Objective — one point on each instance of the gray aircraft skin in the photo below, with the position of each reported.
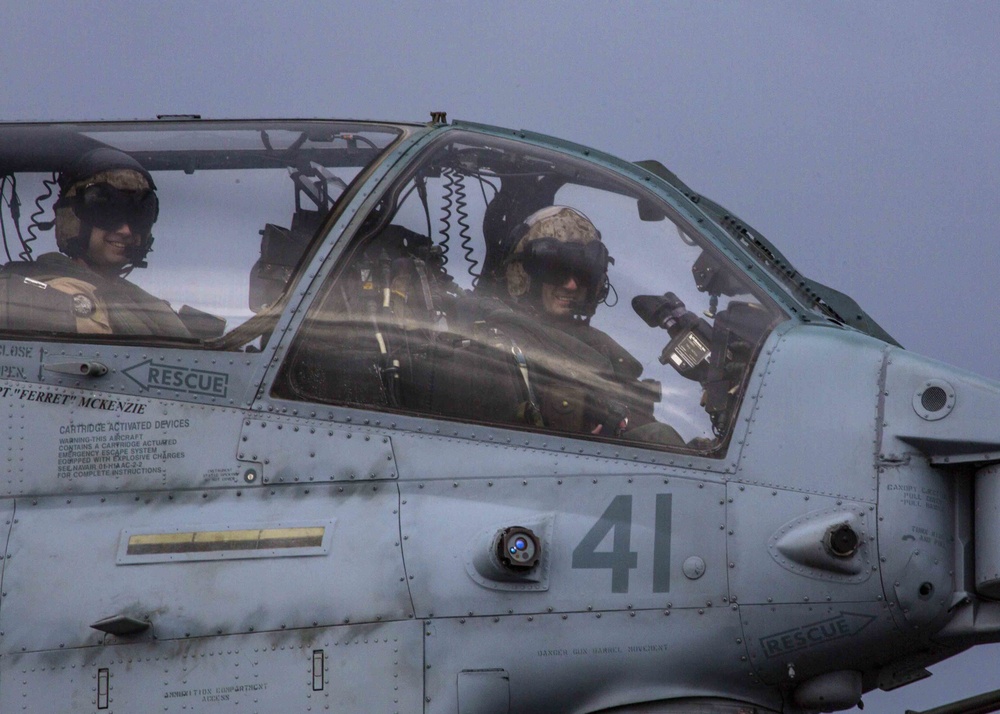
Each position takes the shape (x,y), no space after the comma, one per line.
(369,475)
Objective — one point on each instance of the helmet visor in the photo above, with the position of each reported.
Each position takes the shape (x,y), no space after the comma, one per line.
(553,261)
(107,207)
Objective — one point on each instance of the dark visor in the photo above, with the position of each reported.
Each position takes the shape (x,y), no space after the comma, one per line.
(554,261)
(106,207)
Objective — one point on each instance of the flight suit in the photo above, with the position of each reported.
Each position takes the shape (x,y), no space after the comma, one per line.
(581,380)
(56,293)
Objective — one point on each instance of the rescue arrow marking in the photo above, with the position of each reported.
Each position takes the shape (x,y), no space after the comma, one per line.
(843,625)
(151,374)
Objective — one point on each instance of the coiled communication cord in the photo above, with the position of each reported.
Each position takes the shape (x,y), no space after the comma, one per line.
(38,225)
(10,199)
(456,203)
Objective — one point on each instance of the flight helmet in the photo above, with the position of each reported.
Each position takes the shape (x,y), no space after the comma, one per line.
(105,188)
(552,244)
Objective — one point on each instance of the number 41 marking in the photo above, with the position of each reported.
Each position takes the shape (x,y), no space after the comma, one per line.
(620,559)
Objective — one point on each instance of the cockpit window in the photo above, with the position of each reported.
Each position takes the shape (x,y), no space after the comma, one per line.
(176,232)
(503,284)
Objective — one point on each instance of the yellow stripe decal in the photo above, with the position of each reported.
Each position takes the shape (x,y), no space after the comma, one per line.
(248,539)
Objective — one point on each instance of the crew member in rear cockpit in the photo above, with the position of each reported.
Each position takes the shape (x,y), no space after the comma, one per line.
(104,218)
(578,378)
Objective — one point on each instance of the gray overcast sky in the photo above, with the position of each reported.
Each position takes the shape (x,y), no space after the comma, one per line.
(862,138)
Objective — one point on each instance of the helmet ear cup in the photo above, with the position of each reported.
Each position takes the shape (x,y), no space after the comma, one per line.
(68,229)
(517,278)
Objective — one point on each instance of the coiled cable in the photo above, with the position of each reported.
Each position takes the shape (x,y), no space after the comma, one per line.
(38,225)
(456,204)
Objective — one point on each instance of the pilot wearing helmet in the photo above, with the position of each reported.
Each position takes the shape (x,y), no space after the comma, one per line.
(579,378)
(104,218)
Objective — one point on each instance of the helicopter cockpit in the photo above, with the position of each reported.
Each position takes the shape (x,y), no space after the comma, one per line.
(423,316)
(416,309)
(238,204)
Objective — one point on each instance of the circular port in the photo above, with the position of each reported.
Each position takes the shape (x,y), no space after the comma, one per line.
(934,400)
(843,541)
(518,548)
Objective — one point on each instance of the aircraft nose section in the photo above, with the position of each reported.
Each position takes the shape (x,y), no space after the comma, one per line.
(950,416)
(939,486)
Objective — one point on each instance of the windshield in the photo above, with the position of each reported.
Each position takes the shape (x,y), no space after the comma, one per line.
(168,230)
(502,283)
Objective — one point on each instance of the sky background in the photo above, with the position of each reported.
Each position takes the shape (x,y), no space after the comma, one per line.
(862,138)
